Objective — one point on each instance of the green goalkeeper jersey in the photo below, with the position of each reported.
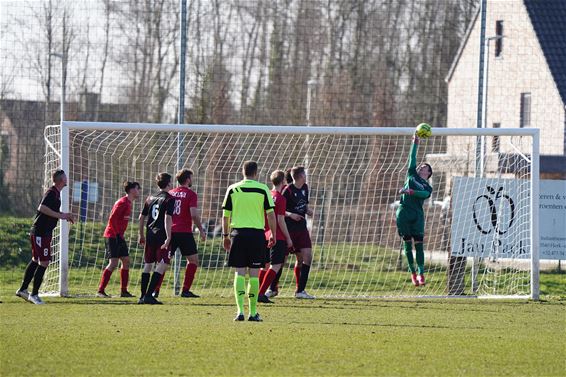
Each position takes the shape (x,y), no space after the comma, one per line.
(421,188)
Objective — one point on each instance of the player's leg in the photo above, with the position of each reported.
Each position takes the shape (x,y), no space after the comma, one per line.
(238,260)
(404,229)
(253,292)
(150,257)
(190,271)
(42,255)
(304,244)
(125,277)
(29,272)
(105,278)
(160,269)
(419,251)
(276,257)
(176,243)
(255,259)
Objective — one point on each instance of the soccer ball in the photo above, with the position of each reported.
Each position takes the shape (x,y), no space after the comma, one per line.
(424,130)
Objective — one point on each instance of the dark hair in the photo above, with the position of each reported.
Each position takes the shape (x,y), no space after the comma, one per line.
(296,171)
(429,168)
(57,174)
(288,176)
(250,168)
(130,185)
(163,179)
(277,177)
(183,175)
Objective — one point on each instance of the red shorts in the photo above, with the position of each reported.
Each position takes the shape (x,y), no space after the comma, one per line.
(153,253)
(301,240)
(41,247)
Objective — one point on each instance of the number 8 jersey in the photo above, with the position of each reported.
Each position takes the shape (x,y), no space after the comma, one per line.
(184,199)
(156,207)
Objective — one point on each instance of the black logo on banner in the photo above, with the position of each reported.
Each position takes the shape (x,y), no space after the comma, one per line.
(495,217)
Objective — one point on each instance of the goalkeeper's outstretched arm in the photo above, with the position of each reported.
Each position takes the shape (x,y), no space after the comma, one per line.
(413,156)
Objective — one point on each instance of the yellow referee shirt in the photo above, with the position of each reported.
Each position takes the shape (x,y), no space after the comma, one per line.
(246,203)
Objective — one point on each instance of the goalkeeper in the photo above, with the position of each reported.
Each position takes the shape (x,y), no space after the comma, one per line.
(410,214)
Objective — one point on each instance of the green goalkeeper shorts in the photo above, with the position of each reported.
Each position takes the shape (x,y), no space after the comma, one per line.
(410,222)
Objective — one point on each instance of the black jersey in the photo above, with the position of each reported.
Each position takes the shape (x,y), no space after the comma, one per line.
(155,208)
(297,201)
(43,225)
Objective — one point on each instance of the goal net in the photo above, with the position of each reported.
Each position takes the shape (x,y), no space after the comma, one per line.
(480,221)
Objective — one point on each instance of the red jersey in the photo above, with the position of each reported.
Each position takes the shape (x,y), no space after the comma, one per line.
(184,199)
(280,205)
(119,217)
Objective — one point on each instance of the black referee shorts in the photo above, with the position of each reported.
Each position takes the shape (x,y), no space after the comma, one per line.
(116,247)
(184,242)
(248,248)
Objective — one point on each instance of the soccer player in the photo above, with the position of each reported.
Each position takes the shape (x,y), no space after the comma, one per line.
(184,214)
(245,206)
(274,289)
(297,196)
(48,213)
(116,247)
(159,210)
(410,214)
(283,240)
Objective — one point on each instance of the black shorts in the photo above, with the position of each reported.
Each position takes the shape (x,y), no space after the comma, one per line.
(278,252)
(248,248)
(184,242)
(116,247)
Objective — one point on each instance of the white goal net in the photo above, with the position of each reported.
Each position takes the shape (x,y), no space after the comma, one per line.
(479,221)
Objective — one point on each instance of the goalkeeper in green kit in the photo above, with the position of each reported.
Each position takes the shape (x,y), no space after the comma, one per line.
(410,214)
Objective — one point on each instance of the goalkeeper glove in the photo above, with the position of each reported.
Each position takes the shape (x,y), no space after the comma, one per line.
(407,191)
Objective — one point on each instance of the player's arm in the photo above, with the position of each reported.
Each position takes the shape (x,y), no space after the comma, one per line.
(141,224)
(421,194)
(268,207)
(227,214)
(58,215)
(412,168)
(168,222)
(283,226)
(195,215)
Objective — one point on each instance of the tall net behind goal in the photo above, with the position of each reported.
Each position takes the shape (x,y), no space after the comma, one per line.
(478,220)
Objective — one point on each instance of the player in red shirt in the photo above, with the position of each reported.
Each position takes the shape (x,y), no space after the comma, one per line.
(116,247)
(184,214)
(276,256)
(48,214)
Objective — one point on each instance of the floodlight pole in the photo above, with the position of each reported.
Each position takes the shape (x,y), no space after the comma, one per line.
(180,120)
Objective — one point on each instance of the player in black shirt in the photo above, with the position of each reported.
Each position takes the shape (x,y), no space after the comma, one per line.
(159,210)
(48,213)
(297,195)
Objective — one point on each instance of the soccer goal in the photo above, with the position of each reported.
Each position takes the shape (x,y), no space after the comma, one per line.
(481,236)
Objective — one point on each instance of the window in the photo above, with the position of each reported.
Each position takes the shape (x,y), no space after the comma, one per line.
(525,120)
(495,140)
(499,40)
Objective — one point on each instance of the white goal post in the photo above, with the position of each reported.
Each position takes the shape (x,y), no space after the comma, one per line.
(354,174)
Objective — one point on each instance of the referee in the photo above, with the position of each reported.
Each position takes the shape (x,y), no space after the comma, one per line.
(245,207)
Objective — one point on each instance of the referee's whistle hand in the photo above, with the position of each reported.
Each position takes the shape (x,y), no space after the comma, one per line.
(227,244)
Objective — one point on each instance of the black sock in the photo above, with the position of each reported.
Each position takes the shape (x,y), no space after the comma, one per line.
(38,279)
(144,283)
(28,274)
(304,277)
(275,281)
(154,280)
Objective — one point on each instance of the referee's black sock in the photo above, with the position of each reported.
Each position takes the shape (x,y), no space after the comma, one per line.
(304,277)
(275,281)
(28,274)
(154,280)
(144,283)
(38,279)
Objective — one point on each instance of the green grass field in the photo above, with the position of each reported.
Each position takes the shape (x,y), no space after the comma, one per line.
(459,337)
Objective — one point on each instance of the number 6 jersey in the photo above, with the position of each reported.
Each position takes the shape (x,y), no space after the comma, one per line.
(155,208)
